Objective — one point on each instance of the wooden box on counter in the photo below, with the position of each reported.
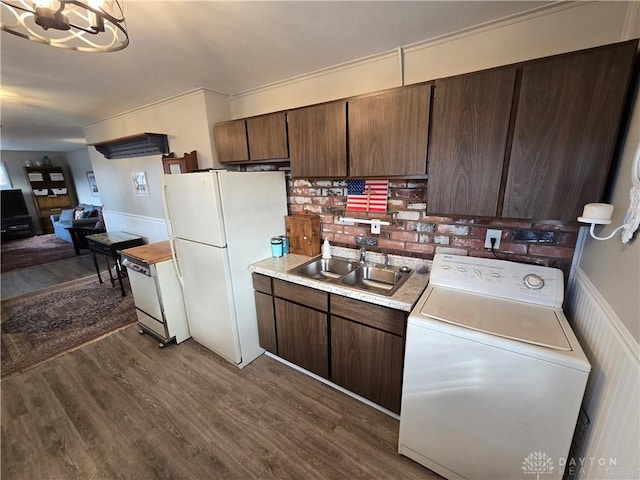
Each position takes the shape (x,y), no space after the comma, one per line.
(303,231)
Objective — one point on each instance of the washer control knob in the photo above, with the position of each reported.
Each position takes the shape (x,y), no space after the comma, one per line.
(533,281)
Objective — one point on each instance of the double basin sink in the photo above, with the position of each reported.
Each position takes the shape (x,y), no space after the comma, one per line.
(375,279)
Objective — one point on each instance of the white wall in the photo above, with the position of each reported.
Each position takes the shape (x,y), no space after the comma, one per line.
(185,119)
(374,73)
(217,110)
(562,29)
(79,164)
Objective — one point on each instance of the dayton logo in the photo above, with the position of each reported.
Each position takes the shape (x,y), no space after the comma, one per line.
(537,463)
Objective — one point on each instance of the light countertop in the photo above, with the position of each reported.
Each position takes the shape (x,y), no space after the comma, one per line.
(403,299)
(150,253)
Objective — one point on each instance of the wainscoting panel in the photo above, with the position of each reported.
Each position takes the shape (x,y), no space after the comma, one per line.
(612,441)
(152,229)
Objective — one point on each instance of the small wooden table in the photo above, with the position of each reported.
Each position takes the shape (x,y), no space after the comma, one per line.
(108,244)
(78,235)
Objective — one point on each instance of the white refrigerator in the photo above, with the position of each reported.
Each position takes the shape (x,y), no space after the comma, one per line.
(220,222)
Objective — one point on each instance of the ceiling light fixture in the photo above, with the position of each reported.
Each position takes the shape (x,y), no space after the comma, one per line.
(82,25)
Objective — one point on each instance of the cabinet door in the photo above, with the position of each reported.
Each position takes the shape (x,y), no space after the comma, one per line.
(266,322)
(231,141)
(388,132)
(568,116)
(367,361)
(470,123)
(318,140)
(267,136)
(302,336)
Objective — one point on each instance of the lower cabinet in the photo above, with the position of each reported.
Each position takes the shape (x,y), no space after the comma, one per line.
(355,344)
(17,227)
(302,336)
(367,350)
(266,322)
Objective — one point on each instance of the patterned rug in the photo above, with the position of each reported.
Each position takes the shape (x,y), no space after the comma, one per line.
(42,325)
(27,252)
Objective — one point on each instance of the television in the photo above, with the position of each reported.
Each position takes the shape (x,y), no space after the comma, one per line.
(12,203)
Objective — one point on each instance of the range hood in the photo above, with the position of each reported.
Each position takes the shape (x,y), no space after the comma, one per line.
(139,145)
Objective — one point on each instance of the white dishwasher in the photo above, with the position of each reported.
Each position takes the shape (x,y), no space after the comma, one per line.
(156,292)
(493,375)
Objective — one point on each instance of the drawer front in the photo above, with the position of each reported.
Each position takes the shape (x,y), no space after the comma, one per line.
(261,283)
(97,246)
(152,324)
(45,212)
(387,319)
(300,294)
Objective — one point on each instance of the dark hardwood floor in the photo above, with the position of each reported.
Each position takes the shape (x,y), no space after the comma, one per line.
(31,279)
(124,408)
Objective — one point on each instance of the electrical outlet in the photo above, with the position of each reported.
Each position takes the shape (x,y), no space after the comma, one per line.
(367,241)
(496,234)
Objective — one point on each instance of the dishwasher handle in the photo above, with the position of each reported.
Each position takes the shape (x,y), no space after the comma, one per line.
(136,267)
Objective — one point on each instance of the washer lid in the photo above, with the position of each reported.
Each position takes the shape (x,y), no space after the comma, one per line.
(519,321)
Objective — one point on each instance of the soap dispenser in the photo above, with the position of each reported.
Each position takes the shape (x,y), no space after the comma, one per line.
(326,249)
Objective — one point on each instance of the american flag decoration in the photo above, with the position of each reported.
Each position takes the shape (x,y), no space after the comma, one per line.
(367,195)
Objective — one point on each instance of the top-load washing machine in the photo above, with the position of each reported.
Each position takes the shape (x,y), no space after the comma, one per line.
(493,376)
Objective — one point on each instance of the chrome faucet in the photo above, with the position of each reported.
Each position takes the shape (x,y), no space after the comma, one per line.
(363,255)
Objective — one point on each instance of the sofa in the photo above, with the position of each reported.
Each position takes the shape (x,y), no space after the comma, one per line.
(84,215)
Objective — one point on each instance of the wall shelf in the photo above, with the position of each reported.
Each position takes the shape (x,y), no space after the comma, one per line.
(357,217)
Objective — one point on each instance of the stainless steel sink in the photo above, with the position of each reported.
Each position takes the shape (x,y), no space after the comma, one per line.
(383,281)
(326,268)
(349,273)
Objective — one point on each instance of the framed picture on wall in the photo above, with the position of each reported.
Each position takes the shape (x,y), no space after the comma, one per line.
(93,186)
(140,184)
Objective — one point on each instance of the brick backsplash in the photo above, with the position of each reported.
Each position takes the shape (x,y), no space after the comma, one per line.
(417,234)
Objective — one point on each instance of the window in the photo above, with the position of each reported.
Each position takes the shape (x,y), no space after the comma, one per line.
(5,181)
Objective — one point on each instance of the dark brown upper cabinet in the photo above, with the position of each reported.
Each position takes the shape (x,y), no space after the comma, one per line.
(568,115)
(388,132)
(231,141)
(252,139)
(318,140)
(470,125)
(267,136)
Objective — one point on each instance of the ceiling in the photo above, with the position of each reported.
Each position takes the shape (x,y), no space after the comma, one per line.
(49,94)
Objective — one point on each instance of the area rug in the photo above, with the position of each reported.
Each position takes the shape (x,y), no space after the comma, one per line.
(39,326)
(27,252)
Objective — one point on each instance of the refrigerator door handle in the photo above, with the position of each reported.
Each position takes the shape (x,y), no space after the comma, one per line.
(176,265)
(167,213)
